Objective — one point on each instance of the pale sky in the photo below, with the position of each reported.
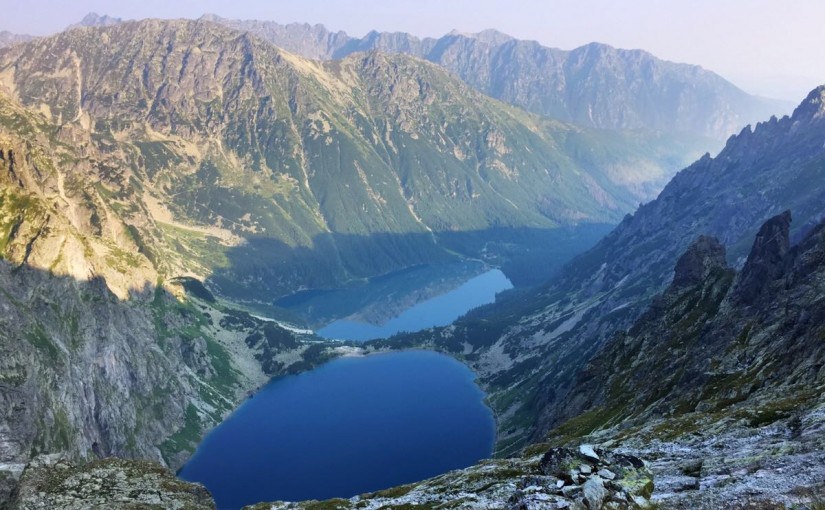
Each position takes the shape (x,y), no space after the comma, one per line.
(768,47)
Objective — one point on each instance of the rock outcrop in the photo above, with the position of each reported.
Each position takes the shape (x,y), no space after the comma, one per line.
(701,258)
(108,483)
(766,259)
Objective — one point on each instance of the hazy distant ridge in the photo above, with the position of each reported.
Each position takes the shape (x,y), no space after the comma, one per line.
(595,85)
(8,38)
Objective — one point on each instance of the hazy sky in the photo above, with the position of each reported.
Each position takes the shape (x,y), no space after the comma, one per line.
(767,47)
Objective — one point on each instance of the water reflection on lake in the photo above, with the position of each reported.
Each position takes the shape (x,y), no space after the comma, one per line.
(437,311)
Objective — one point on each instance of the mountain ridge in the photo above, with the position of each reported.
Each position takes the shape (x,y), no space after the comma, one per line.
(570,85)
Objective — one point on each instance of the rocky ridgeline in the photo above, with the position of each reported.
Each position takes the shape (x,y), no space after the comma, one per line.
(644,92)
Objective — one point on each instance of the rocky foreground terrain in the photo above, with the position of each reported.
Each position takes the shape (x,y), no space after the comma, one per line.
(575,478)
(777,466)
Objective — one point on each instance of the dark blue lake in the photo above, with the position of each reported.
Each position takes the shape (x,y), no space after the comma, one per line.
(351,426)
(438,311)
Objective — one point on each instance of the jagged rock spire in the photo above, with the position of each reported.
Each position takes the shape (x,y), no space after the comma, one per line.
(766,259)
(813,107)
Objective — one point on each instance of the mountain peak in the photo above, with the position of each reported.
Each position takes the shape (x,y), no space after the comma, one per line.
(8,38)
(813,107)
(766,258)
(94,19)
(489,36)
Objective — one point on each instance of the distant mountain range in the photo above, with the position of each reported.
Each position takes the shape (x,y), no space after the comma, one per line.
(96,20)
(9,39)
(595,85)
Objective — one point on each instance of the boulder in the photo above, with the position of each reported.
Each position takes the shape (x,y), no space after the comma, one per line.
(589,453)
(594,492)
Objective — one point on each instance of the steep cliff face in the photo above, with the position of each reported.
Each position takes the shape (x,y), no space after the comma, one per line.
(595,85)
(719,342)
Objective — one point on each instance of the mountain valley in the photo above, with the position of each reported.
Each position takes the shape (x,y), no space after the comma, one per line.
(181,199)
(605,289)
(379,124)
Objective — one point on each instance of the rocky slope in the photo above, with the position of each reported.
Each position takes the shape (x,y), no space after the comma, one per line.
(101,351)
(595,85)
(111,483)
(723,338)
(529,348)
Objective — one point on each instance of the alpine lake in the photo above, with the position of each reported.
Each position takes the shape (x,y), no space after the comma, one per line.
(358,424)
